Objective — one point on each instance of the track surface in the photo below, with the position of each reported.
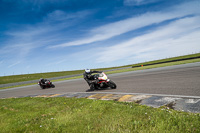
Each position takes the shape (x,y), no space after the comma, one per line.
(173,80)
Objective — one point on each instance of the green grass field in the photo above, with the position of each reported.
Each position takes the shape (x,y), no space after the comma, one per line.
(84,115)
(56,115)
(173,59)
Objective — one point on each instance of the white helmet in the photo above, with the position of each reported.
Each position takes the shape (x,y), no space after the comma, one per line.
(87,70)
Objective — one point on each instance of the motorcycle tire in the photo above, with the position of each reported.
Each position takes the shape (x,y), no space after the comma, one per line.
(53,86)
(112,85)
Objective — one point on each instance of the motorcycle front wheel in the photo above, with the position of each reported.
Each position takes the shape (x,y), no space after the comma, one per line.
(112,85)
(53,86)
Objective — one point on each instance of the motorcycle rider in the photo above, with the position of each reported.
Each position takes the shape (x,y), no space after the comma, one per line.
(42,81)
(44,84)
(90,78)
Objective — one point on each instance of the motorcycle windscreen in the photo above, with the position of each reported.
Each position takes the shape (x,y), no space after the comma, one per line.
(102,76)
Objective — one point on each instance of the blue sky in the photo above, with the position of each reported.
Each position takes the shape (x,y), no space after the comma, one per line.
(59,35)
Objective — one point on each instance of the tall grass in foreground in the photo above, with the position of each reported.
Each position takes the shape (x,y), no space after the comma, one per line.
(83,115)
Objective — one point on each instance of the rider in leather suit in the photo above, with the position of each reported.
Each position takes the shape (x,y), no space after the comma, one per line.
(90,78)
(42,81)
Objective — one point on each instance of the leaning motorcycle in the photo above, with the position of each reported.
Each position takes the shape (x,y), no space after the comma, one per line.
(103,81)
(47,84)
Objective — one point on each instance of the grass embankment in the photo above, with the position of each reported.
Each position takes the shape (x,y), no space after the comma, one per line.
(156,66)
(37,76)
(146,65)
(84,115)
(122,70)
(168,60)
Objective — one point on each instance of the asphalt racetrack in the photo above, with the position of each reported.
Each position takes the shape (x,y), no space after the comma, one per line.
(173,80)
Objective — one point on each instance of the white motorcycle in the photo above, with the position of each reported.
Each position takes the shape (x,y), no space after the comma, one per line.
(103,81)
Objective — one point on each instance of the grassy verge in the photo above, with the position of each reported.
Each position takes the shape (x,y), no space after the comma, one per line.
(156,66)
(83,115)
(122,70)
(173,59)
(36,83)
(29,77)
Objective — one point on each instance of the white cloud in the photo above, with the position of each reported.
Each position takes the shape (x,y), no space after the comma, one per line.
(138,2)
(52,22)
(117,28)
(39,3)
(27,38)
(178,37)
(1,62)
(14,64)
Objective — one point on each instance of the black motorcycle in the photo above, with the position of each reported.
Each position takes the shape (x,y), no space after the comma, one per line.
(46,84)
